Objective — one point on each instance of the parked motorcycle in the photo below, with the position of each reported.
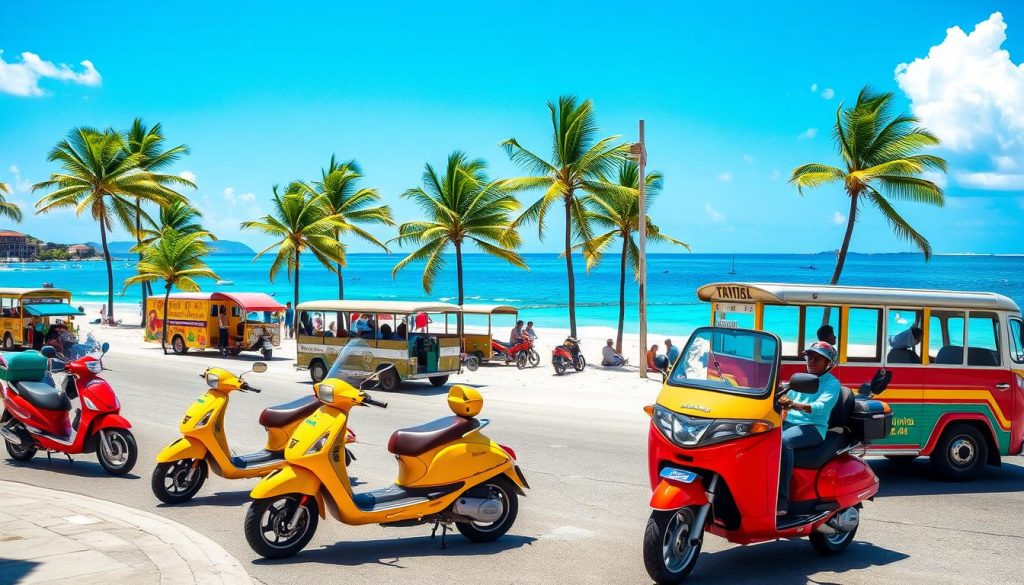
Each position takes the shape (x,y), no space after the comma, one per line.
(522,352)
(568,355)
(38,412)
(448,472)
(714,452)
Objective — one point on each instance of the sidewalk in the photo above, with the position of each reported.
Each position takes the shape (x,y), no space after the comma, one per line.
(49,536)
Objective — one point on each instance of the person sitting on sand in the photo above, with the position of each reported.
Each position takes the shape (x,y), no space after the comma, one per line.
(671,352)
(610,358)
(651,355)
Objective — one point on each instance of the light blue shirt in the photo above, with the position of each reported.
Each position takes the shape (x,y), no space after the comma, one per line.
(821,403)
(673,353)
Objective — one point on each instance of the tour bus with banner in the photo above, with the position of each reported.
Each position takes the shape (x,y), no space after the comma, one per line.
(956,360)
(255,321)
(22,307)
(420,339)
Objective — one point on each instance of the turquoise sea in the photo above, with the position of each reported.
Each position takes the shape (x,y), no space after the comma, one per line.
(540,292)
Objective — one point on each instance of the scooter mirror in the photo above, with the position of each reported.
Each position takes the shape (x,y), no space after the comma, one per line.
(48,351)
(804,383)
(105,347)
(259,367)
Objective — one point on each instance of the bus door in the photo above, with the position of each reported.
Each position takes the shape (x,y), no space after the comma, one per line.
(1016,346)
(905,354)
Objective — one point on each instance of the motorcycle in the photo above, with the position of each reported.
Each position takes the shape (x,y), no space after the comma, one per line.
(38,414)
(714,452)
(183,466)
(568,354)
(448,472)
(522,352)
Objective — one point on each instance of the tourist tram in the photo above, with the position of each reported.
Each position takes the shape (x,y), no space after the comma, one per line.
(22,308)
(957,360)
(420,339)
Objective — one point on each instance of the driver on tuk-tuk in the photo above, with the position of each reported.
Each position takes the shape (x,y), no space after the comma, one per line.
(806,417)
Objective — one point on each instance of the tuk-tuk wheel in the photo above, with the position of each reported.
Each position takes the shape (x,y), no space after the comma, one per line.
(267,353)
(438,380)
(235,351)
(317,371)
(8,342)
(389,380)
(178,345)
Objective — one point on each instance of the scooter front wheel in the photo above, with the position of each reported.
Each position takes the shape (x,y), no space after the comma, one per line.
(178,481)
(498,488)
(534,358)
(117,451)
(20,452)
(280,527)
(672,545)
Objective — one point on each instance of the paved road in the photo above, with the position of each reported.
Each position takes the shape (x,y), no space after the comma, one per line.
(584,455)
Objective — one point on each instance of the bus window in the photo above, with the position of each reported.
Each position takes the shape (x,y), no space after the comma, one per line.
(814,319)
(1016,341)
(946,337)
(864,335)
(905,330)
(784,321)
(983,339)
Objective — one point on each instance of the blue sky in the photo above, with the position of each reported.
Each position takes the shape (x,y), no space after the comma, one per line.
(734,98)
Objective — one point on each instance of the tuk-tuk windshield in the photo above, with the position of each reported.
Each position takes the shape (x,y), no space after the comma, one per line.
(737,361)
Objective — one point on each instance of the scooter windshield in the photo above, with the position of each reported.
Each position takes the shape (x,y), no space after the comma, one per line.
(354,362)
(737,361)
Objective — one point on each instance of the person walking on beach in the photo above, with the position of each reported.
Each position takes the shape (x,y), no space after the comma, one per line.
(222,330)
(103,314)
(289,320)
(517,332)
(671,352)
(609,357)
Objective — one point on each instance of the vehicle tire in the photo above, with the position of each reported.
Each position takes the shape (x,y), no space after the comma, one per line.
(267,354)
(533,358)
(178,345)
(234,351)
(521,358)
(266,525)
(668,555)
(559,364)
(8,342)
(171,484)
(389,380)
(479,355)
(960,454)
(117,451)
(580,364)
(500,488)
(438,380)
(472,363)
(317,371)
(20,453)
(832,544)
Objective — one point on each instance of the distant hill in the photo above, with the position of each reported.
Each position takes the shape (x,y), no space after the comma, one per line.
(219,248)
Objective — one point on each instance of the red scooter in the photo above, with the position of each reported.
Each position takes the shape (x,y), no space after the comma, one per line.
(714,452)
(38,415)
(522,353)
(568,355)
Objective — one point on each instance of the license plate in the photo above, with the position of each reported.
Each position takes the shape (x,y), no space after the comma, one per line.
(680,475)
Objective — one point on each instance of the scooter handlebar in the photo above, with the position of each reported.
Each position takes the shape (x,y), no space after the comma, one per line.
(248,388)
(373,402)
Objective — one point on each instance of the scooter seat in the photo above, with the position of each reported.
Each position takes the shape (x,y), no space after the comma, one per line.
(418,440)
(282,414)
(817,456)
(42,395)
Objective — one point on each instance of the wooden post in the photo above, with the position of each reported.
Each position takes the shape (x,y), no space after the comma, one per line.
(642,180)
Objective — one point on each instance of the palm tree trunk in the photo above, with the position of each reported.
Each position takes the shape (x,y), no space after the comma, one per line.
(846,239)
(163,334)
(295,300)
(568,265)
(341,284)
(622,296)
(458,267)
(138,239)
(110,270)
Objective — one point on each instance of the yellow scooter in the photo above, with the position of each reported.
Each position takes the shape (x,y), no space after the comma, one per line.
(182,466)
(448,472)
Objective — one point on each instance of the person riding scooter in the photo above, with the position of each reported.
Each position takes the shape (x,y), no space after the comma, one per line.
(807,415)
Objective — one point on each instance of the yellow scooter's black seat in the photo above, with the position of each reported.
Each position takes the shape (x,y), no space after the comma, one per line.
(282,414)
(417,440)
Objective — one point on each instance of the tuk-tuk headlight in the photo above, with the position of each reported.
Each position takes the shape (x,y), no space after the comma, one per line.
(325,392)
(318,445)
(726,429)
(682,430)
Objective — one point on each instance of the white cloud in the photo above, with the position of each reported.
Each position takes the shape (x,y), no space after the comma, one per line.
(188,176)
(814,87)
(19,185)
(808,134)
(775,175)
(247,198)
(748,159)
(938,178)
(827,93)
(229,195)
(724,177)
(838,218)
(713,214)
(971,95)
(22,79)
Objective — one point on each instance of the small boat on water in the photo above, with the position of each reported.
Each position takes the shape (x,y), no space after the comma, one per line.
(224,282)
(809,267)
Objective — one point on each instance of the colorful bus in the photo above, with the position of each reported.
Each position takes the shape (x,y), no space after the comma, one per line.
(255,321)
(957,360)
(24,308)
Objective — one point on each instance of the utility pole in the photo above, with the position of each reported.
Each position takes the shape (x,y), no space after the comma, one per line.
(639,151)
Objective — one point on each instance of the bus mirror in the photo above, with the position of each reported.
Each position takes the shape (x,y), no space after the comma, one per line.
(804,383)
(259,367)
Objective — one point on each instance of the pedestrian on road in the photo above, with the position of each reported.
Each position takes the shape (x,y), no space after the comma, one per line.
(222,330)
(289,320)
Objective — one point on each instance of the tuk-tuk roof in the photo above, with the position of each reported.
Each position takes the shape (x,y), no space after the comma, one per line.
(248,301)
(25,291)
(402,307)
(489,310)
(51,309)
(818,294)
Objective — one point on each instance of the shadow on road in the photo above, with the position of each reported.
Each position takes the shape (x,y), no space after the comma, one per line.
(58,463)
(13,570)
(227,499)
(787,561)
(390,552)
(915,478)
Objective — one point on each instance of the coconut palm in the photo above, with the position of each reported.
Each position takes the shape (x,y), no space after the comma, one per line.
(881,154)
(8,210)
(353,206)
(618,212)
(100,176)
(178,215)
(302,222)
(578,161)
(461,206)
(176,259)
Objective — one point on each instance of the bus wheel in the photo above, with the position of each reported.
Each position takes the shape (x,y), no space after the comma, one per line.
(8,342)
(317,371)
(438,380)
(389,380)
(960,453)
(178,345)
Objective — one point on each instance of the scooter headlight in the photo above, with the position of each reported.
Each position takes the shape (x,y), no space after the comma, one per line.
(205,420)
(212,380)
(95,366)
(318,445)
(684,431)
(325,392)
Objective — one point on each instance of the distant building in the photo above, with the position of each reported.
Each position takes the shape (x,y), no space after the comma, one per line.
(81,251)
(17,246)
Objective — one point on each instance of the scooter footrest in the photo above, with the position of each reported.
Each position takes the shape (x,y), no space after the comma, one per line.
(396,496)
(792,521)
(257,459)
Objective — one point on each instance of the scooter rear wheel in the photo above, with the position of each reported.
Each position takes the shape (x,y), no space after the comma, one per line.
(500,489)
(171,483)
(20,453)
(267,525)
(117,451)
(559,364)
(669,556)
(832,544)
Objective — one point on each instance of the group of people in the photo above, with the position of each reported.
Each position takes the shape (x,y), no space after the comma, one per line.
(520,331)
(655,361)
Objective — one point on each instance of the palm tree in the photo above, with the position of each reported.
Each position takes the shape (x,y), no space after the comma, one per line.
(302,222)
(98,174)
(461,206)
(881,153)
(178,215)
(351,205)
(578,162)
(148,142)
(176,258)
(8,210)
(619,213)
